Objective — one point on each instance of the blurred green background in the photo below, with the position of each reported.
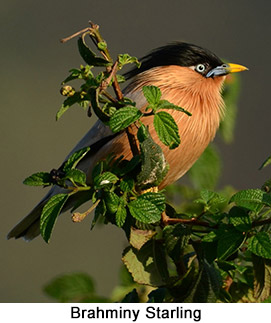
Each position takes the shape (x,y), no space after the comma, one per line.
(34,62)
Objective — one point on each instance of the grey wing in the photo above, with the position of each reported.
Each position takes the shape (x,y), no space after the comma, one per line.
(28,227)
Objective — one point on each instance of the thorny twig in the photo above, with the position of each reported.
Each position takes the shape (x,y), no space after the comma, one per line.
(96,37)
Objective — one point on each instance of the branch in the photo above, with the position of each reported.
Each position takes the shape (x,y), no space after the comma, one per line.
(166,220)
(260,222)
(97,38)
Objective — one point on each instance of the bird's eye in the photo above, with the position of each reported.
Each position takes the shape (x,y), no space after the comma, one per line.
(200,68)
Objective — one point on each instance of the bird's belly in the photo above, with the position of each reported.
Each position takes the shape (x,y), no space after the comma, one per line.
(180,160)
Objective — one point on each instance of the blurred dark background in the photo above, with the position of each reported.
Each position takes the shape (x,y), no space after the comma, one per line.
(34,62)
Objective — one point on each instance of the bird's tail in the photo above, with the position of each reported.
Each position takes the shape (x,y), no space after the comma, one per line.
(29,227)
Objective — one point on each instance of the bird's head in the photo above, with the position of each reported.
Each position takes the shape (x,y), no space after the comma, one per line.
(200,60)
(185,66)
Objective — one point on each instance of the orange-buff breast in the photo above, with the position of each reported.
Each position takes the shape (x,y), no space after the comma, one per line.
(183,87)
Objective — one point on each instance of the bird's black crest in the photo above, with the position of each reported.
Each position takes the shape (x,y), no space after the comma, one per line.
(178,53)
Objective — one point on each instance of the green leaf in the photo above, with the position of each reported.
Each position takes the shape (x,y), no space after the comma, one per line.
(154,166)
(266,162)
(147,209)
(124,59)
(70,288)
(252,199)
(76,176)
(124,117)
(206,171)
(139,237)
(75,74)
(104,116)
(102,45)
(156,198)
(112,202)
(240,219)
(84,73)
(75,158)
(213,202)
(38,179)
(176,239)
(148,265)
(88,56)
(167,129)
(104,179)
(76,98)
(210,237)
(120,78)
(164,104)
(127,184)
(121,213)
(229,241)
(206,287)
(152,94)
(50,213)
(260,245)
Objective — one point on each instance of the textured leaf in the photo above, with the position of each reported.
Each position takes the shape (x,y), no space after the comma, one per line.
(252,199)
(123,117)
(88,56)
(70,287)
(139,237)
(167,129)
(229,242)
(176,239)
(49,214)
(121,213)
(112,202)
(147,208)
(164,104)
(260,245)
(152,94)
(124,59)
(240,219)
(206,171)
(38,179)
(210,237)
(105,179)
(154,166)
(75,158)
(127,184)
(148,265)
(206,287)
(76,176)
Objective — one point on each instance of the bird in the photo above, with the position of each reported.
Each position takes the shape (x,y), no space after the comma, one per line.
(188,76)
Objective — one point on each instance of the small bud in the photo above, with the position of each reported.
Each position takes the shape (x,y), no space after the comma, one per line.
(102,45)
(67,90)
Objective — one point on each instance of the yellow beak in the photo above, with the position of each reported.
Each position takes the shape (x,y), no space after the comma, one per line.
(234,68)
